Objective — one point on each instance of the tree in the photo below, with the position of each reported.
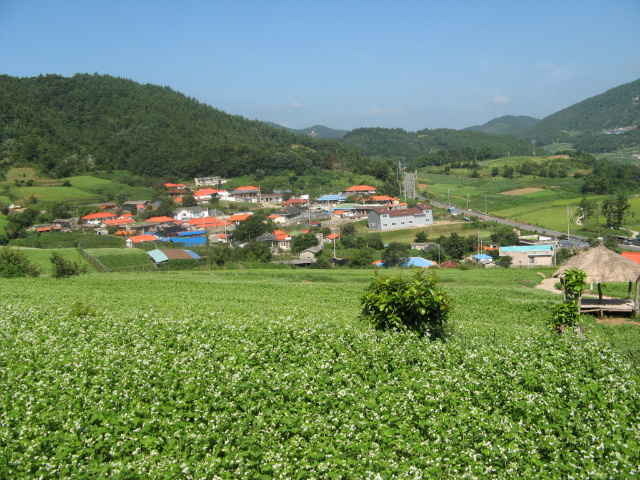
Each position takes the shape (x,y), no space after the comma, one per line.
(14,263)
(189,200)
(416,304)
(253,227)
(614,209)
(304,241)
(505,261)
(166,208)
(587,208)
(65,268)
(395,255)
(421,237)
(363,258)
(258,251)
(504,236)
(455,246)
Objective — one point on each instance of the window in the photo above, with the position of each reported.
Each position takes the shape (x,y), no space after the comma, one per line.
(532,260)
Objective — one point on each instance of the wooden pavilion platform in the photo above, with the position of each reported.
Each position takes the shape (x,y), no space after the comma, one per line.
(608,306)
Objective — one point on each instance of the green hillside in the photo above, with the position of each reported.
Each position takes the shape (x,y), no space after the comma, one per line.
(67,126)
(507,125)
(602,123)
(398,143)
(317,131)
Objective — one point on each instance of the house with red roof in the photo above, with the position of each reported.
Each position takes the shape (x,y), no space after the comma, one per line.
(247,193)
(278,240)
(236,218)
(359,190)
(298,202)
(137,239)
(204,195)
(95,219)
(381,200)
(332,237)
(163,220)
(385,218)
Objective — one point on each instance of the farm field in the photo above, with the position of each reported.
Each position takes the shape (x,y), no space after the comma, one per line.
(538,201)
(41,256)
(269,373)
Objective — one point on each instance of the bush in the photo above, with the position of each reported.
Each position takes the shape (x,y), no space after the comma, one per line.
(14,263)
(65,268)
(567,313)
(416,304)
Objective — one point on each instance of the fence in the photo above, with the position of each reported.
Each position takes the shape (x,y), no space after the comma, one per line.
(102,268)
(92,260)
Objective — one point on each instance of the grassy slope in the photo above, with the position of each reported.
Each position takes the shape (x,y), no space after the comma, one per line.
(545,208)
(277,376)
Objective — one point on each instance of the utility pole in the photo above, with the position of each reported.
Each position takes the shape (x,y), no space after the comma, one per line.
(486,211)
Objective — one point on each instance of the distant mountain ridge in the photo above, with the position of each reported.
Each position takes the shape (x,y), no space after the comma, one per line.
(506,125)
(604,122)
(317,131)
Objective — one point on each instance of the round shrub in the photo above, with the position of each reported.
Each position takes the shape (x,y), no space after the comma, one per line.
(416,304)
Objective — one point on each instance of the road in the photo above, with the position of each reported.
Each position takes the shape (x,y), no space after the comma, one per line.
(408,185)
(511,223)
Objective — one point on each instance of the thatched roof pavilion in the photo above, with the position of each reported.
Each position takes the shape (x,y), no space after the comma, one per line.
(602,266)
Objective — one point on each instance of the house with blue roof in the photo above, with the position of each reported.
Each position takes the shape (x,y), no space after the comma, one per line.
(330,199)
(529,255)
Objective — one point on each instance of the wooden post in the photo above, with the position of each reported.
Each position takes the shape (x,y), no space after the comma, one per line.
(599,293)
(635,303)
(629,297)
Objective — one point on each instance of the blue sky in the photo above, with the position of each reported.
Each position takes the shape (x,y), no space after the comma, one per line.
(343,64)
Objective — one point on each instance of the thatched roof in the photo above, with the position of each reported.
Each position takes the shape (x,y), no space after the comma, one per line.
(602,265)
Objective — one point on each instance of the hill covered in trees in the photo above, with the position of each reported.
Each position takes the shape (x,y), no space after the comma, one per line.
(507,125)
(65,126)
(602,123)
(317,131)
(408,146)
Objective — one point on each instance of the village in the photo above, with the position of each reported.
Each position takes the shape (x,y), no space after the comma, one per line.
(202,224)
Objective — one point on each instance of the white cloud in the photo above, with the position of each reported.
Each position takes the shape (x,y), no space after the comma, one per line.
(296,105)
(372,112)
(500,99)
(556,71)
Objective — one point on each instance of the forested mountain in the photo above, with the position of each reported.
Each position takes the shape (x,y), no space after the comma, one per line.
(64,126)
(507,125)
(602,123)
(317,131)
(400,144)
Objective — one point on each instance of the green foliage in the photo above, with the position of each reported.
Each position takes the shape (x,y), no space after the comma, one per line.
(614,210)
(421,237)
(303,241)
(505,261)
(395,255)
(116,124)
(567,313)
(363,258)
(434,147)
(573,282)
(14,263)
(416,304)
(82,310)
(64,267)
(254,226)
(584,124)
(111,395)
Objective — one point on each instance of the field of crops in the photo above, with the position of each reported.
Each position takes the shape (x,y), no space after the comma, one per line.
(269,374)
(121,258)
